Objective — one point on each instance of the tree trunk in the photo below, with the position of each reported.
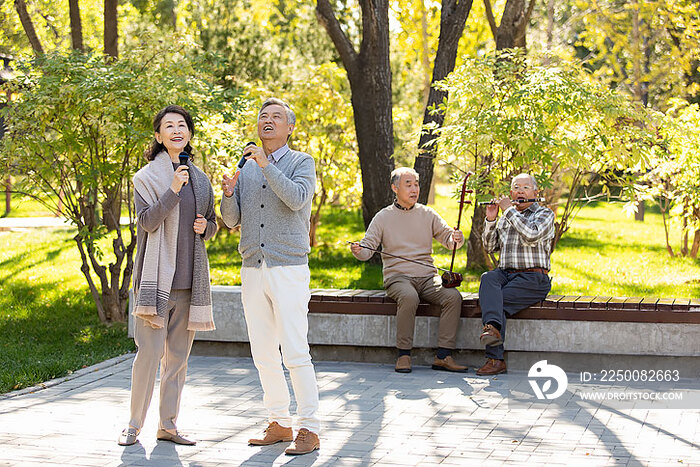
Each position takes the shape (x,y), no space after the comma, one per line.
(453,16)
(316,217)
(511,32)
(684,229)
(8,195)
(76,26)
(639,214)
(696,245)
(425,45)
(550,25)
(111,28)
(369,73)
(112,209)
(28,26)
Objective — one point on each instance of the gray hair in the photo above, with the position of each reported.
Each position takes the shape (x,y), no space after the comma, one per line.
(396,174)
(534,182)
(291,118)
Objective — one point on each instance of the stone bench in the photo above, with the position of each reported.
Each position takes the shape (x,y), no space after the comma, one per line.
(577,333)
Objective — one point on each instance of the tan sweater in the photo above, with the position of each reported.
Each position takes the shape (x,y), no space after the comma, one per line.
(409,234)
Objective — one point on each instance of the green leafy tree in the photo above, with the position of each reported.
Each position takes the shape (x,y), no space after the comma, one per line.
(649,49)
(515,115)
(324,114)
(673,181)
(37,26)
(78,127)
(262,41)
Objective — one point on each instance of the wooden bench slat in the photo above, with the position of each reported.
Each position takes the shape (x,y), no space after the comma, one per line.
(665,304)
(600,302)
(583,302)
(551,301)
(648,304)
(377,296)
(632,303)
(566,301)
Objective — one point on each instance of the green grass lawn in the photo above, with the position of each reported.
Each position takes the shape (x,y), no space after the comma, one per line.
(48,323)
(49,327)
(22,206)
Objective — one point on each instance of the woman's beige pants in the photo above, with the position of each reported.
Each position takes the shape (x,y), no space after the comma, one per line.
(169,346)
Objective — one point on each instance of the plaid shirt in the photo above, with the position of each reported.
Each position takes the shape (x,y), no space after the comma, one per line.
(524,238)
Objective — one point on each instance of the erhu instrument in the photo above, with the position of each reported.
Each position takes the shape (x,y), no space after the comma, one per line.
(452,279)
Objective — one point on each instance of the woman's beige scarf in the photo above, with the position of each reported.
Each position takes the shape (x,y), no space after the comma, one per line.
(160,255)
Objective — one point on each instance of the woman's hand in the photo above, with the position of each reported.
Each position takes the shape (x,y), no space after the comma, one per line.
(200,224)
(180,178)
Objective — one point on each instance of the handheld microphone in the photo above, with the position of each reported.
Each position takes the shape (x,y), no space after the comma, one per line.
(184,157)
(242,162)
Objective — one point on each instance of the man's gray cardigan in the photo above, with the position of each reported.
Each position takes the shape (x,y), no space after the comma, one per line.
(273,207)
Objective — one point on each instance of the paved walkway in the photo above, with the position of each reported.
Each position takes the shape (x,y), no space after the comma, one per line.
(371,416)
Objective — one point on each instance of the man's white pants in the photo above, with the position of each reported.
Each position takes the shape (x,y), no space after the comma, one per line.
(276,303)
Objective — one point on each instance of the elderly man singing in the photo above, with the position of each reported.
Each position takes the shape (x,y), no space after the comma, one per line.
(524,236)
(270,197)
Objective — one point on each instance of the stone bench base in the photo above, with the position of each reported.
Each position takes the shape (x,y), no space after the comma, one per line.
(336,334)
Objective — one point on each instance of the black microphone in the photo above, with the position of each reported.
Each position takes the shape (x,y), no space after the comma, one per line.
(184,157)
(242,162)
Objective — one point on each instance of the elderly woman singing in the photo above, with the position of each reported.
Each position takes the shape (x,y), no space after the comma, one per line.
(174,203)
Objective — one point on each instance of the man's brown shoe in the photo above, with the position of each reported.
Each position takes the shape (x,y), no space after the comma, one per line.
(306,442)
(274,433)
(490,336)
(492,367)
(448,364)
(403,364)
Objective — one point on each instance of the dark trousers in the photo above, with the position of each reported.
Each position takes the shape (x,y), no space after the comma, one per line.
(502,294)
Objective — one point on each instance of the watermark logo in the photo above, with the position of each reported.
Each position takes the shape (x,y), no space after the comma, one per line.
(544,373)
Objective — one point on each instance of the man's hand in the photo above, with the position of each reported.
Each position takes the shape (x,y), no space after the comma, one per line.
(457,236)
(491,211)
(355,248)
(200,224)
(229,183)
(504,203)
(257,154)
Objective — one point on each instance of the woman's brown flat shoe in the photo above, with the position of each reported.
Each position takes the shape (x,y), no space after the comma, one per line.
(175,438)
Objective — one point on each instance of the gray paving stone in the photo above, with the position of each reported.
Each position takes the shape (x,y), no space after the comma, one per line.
(370,416)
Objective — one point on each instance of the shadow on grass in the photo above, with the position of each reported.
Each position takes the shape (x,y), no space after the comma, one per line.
(28,259)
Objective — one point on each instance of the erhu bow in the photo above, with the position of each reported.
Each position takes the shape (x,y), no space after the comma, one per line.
(452,279)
